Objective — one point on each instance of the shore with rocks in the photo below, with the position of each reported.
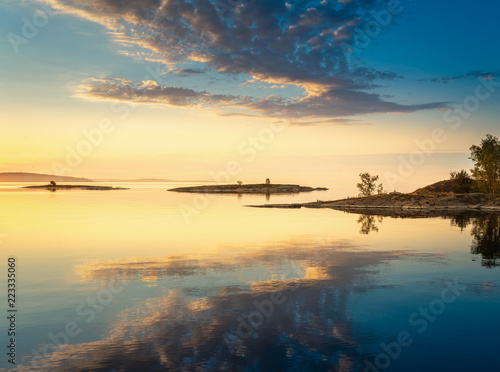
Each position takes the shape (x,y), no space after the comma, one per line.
(395,202)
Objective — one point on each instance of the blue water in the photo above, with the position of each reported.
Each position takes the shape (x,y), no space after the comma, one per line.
(147,280)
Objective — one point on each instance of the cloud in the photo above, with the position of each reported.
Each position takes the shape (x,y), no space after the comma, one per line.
(468,75)
(190,71)
(299,43)
(151,92)
(328,104)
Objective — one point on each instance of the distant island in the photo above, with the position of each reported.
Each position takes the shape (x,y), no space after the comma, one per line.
(259,188)
(38,177)
(152,180)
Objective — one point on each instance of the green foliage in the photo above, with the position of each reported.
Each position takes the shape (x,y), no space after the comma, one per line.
(462,182)
(486,158)
(368,185)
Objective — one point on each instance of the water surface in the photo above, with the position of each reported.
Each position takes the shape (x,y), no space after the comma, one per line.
(147,280)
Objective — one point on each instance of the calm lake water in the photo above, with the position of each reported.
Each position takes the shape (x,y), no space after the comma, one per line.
(149,280)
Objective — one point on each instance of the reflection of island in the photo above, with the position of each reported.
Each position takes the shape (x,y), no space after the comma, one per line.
(461,221)
(203,324)
(368,223)
(485,230)
(486,233)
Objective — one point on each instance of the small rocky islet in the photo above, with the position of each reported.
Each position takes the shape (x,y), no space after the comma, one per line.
(261,188)
(74,187)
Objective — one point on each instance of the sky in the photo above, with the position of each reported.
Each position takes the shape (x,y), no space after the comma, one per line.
(309,92)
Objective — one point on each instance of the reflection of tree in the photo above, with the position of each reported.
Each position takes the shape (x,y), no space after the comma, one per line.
(461,222)
(368,223)
(486,233)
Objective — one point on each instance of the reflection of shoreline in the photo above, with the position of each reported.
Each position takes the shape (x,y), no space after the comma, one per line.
(186,328)
(485,231)
(417,213)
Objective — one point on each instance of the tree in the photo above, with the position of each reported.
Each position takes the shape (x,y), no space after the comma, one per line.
(380,189)
(462,182)
(52,183)
(368,185)
(486,158)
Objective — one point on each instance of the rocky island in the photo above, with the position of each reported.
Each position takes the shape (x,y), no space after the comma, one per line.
(54,187)
(261,188)
(438,199)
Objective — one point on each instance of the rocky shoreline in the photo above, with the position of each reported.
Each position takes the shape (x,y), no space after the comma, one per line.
(395,203)
(72,187)
(248,189)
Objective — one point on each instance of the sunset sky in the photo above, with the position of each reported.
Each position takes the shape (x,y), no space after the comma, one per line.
(298,91)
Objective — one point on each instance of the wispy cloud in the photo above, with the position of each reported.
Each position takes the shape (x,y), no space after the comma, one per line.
(298,43)
(468,75)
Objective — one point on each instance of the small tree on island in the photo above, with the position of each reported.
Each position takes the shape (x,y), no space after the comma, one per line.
(368,185)
(486,158)
(53,183)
